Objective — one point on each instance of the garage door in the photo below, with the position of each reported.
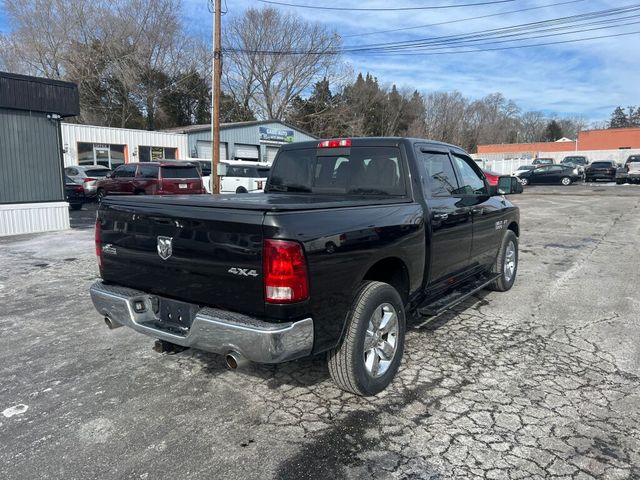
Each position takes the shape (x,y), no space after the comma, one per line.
(271,153)
(204,150)
(247,152)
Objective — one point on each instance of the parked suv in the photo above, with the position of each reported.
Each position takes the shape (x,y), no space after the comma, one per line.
(579,161)
(87,176)
(632,168)
(152,178)
(602,170)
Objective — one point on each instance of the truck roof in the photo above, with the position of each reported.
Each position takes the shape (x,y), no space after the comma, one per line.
(376,142)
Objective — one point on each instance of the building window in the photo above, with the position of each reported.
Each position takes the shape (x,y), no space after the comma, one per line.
(106,155)
(152,154)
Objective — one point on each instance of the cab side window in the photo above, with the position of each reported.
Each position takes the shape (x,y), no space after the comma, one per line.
(440,177)
(471,183)
(119,172)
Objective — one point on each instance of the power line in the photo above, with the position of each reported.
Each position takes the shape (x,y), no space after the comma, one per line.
(516,46)
(393,9)
(525,29)
(491,34)
(460,20)
(523,26)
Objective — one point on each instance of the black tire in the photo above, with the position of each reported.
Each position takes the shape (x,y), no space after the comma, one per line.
(502,284)
(566,181)
(76,206)
(140,192)
(241,190)
(100,195)
(347,361)
(524,181)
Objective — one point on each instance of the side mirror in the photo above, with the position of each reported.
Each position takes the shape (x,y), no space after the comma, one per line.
(508,185)
(222,169)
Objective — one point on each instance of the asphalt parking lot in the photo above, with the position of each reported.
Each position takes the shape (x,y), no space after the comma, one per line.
(538,382)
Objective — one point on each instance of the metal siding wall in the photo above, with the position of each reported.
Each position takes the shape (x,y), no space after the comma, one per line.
(72,134)
(33,217)
(29,158)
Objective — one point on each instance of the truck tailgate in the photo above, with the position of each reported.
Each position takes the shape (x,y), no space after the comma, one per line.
(208,256)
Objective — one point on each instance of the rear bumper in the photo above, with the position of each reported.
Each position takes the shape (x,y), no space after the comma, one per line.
(212,330)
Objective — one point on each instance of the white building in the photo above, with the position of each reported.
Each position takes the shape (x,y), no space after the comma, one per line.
(110,147)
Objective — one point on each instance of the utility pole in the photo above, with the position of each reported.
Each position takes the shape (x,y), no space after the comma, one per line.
(216,75)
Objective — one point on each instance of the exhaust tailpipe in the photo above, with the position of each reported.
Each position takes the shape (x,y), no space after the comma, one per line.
(235,360)
(111,324)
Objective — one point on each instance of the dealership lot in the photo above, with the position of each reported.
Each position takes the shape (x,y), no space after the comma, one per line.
(541,381)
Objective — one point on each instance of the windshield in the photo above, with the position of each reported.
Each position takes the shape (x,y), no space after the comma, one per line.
(354,171)
(178,171)
(575,160)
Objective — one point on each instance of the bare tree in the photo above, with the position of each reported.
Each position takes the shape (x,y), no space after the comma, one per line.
(272,57)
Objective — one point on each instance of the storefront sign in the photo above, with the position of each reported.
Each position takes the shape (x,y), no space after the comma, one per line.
(275,135)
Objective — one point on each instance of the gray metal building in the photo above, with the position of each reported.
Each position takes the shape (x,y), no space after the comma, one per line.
(32,197)
(256,140)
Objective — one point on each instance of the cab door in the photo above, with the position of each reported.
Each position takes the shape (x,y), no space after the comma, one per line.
(486,211)
(450,221)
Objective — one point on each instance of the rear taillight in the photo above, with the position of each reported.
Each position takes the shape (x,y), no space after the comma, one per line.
(345,142)
(88,179)
(285,272)
(98,246)
(79,188)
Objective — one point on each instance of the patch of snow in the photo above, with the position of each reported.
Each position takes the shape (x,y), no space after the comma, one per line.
(15,410)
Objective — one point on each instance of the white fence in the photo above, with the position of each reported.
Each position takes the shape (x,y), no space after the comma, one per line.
(507,163)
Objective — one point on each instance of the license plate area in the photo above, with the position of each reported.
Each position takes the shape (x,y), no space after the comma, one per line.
(172,316)
(182,185)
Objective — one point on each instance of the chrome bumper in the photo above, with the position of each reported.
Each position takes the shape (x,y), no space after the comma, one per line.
(212,330)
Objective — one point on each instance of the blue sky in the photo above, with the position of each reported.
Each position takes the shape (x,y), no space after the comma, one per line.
(587,78)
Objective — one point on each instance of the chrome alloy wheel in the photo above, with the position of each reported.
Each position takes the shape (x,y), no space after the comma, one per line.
(381,340)
(509,262)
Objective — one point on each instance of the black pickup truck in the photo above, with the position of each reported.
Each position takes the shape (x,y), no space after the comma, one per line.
(350,238)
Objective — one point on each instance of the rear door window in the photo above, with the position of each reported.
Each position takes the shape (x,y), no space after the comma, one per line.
(97,172)
(440,177)
(351,171)
(179,171)
(148,171)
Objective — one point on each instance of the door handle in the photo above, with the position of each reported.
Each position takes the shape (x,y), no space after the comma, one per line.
(477,211)
(440,216)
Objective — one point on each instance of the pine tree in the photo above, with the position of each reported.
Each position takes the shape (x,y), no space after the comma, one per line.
(553,131)
(619,119)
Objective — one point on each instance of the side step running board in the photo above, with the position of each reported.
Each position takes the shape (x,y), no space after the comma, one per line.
(457,296)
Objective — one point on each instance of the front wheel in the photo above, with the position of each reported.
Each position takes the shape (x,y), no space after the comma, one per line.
(370,353)
(100,195)
(565,181)
(241,190)
(524,181)
(506,263)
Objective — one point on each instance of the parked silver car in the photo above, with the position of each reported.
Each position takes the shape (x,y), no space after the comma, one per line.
(87,175)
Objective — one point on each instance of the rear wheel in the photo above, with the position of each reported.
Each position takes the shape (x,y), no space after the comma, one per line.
(241,190)
(370,353)
(565,181)
(100,195)
(76,206)
(506,263)
(524,181)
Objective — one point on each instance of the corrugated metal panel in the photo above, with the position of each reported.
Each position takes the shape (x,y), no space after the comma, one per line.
(271,154)
(33,217)
(21,92)
(133,139)
(203,149)
(247,152)
(30,169)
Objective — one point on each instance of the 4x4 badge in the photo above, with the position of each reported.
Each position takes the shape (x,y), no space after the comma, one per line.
(165,247)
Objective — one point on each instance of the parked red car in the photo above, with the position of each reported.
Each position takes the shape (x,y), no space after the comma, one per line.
(492,178)
(152,178)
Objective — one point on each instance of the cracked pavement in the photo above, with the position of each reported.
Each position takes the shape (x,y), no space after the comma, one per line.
(538,382)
